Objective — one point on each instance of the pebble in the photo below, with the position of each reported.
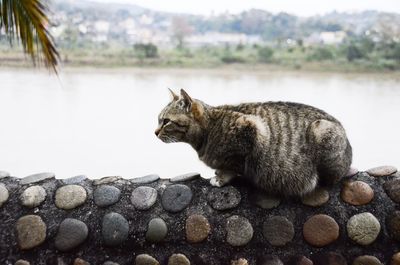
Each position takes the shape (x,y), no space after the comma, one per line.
(271,260)
(320,230)
(357,193)
(145,179)
(366,260)
(395,259)
(74,180)
(264,201)
(37,178)
(239,262)
(197,228)
(31,231)
(363,228)
(106,180)
(328,258)
(382,171)
(392,188)
(143,197)
(224,198)
(79,261)
(394,225)
(178,259)
(106,195)
(156,230)
(3,194)
(278,231)
(111,263)
(33,196)
(71,233)
(239,231)
(185,177)
(4,174)
(316,198)
(144,259)
(352,172)
(70,196)
(176,197)
(300,260)
(22,262)
(115,229)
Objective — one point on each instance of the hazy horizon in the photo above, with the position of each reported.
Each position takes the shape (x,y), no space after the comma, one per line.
(303,8)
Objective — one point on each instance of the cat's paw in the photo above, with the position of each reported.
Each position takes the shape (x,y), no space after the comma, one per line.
(216,182)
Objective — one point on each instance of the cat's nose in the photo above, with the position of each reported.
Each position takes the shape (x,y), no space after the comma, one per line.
(157,131)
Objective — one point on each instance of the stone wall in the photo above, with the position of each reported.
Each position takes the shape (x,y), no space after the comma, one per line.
(184,220)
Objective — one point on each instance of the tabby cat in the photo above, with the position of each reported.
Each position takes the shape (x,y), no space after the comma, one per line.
(284,148)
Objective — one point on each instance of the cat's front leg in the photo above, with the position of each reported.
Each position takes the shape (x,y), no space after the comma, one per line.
(222,178)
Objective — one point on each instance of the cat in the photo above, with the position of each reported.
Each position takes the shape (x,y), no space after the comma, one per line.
(284,148)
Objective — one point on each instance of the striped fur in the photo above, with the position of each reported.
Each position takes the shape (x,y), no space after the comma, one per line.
(284,148)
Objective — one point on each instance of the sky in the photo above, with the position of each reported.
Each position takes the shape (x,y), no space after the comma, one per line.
(297,7)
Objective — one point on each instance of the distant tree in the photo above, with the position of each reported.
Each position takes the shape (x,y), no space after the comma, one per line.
(27,21)
(321,54)
(145,50)
(180,30)
(354,52)
(265,54)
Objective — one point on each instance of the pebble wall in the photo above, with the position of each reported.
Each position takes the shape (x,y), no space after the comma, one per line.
(184,220)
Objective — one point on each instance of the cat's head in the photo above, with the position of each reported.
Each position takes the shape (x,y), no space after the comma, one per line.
(182,120)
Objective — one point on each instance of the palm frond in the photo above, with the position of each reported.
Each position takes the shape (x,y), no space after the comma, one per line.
(27,20)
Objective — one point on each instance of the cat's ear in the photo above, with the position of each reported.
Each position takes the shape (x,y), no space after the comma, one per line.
(187,100)
(174,96)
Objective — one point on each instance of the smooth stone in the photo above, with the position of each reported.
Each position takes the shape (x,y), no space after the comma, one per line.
(363,228)
(144,259)
(270,260)
(4,194)
(4,174)
(300,260)
(31,231)
(366,260)
(79,261)
(392,188)
(70,196)
(239,262)
(156,230)
(22,262)
(176,197)
(111,263)
(197,228)
(320,230)
(74,180)
(37,177)
(145,179)
(178,259)
(264,201)
(395,175)
(395,259)
(71,233)
(106,195)
(278,231)
(394,225)
(33,196)
(115,229)
(143,197)
(382,171)
(185,177)
(316,198)
(357,193)
(352,172)
(224,198)
(328,258)
(239,231)
(106,180)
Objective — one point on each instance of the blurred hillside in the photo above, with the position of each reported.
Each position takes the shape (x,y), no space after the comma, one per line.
(92,33)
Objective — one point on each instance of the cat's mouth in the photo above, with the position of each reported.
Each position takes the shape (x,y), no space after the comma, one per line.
(167,139)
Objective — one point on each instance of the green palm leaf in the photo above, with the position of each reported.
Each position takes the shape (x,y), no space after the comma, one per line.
(27,20)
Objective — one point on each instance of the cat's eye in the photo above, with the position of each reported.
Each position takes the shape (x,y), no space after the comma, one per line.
(165,121)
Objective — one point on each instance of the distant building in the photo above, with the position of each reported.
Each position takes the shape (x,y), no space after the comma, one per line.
(218,39)
(326,37)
